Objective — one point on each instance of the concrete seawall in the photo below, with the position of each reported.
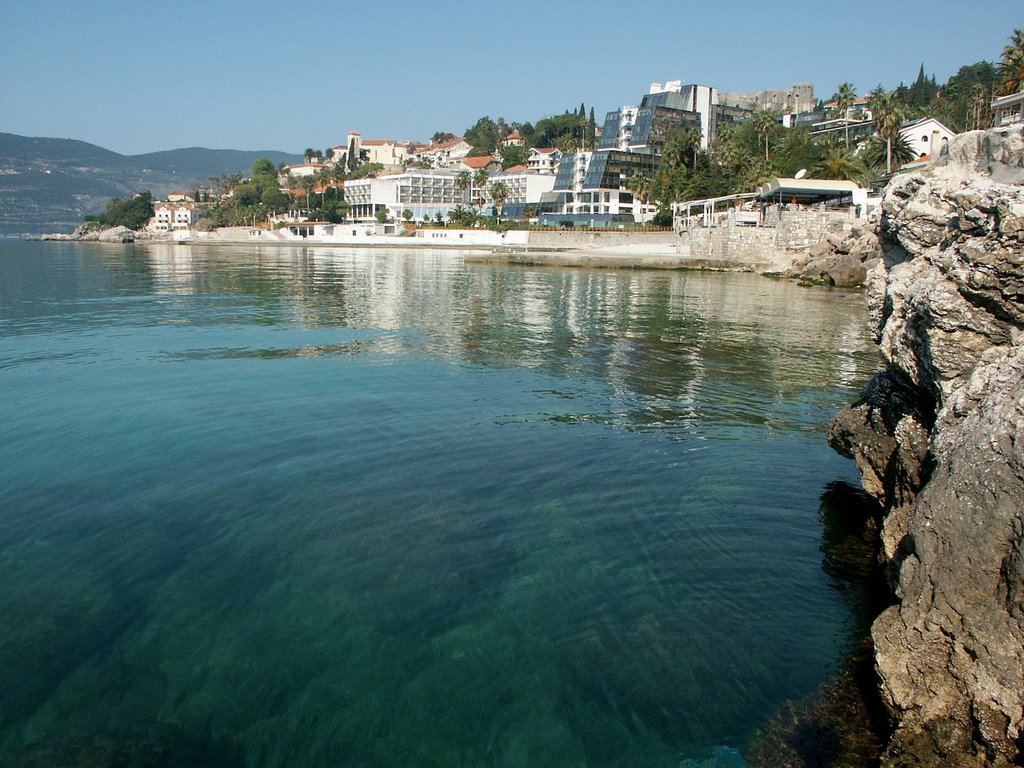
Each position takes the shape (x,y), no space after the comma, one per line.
(727,245)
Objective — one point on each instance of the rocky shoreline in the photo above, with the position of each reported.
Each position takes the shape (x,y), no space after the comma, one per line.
(939,442)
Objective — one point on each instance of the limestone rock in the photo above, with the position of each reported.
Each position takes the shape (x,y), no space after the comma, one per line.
(939,442)
(117,235)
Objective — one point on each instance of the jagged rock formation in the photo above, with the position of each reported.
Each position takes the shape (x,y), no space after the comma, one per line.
(841,259)
(939,441)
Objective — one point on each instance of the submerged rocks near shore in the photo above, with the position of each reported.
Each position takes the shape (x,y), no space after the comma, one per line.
(842,260)
(89,233)
(939,442)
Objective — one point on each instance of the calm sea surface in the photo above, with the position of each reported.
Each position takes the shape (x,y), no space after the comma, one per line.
(325,507)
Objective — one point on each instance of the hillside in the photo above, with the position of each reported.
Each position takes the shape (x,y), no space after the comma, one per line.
(48,185)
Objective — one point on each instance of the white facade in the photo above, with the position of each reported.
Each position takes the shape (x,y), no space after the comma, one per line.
(523,186)
(543,159)
(926,136)
(173,218)
(424,192)
(701,99)
(386,152)
(1009,110)
(304,169)
(444,154)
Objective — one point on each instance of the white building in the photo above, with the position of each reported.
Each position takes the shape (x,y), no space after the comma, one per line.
(173,218)
(524,187)
(443,154)
(424,192)
(475,164)
(299,170)
(393,155)
(925,136)
(1009,110)
(544,159)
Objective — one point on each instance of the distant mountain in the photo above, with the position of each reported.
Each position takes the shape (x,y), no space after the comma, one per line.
(48,185)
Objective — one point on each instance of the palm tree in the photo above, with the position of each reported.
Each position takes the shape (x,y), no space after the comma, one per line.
(1011,68)
(458,215)
(877,149)
(844,98)
(762,122)
(840,163)
(889,114)
(640,185)
(463,180)
(307,184)
(499,194)
(309,154)
(480,182)
(692,141)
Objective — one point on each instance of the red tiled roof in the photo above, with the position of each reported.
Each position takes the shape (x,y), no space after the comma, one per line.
(477,162)
(515,168)
(545,150)
(443,144)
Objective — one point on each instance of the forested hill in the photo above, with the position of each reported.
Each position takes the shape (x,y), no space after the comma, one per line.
(48,185)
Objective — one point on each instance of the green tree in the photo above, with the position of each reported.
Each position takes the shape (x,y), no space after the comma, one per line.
(513,154)
(499,194)
(877,149)
(797,150)
(763,122)
(480,183)
(553,131)
(307,183)
(1011,66)
(463,181)
(889,114)
(639,185)
(844,99)
(840,163)
(132,213)
(263,167)
(274,199)
(407,215)
(483,135)
(460,216)
(246,195)
(352,157)
(964,102)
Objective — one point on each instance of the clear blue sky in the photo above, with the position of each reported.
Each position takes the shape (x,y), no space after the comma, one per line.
(139,77)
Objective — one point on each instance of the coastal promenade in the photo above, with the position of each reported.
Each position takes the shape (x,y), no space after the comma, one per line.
(728,245)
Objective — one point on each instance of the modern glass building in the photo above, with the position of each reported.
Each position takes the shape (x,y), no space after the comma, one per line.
(596,184)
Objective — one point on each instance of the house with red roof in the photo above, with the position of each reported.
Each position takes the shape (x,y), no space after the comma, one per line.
(544,160)
(444,153)
(474,164)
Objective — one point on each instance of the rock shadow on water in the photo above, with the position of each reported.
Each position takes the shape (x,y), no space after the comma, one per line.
(843,724)
(158,746)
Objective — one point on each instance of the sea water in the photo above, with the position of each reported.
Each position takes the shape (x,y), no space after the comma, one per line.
(330,507)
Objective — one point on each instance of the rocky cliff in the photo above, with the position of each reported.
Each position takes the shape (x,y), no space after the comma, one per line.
(939,441)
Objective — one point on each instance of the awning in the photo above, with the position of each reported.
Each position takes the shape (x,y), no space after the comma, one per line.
(805,190)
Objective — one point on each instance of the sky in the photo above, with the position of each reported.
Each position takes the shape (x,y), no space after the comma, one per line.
(141,77)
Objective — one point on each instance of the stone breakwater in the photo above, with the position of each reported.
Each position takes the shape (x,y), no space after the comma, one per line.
(939,442)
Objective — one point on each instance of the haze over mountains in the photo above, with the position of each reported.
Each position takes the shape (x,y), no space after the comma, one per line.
(48,185)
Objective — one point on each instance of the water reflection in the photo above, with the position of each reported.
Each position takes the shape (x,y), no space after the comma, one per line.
(658,340)
(329,507)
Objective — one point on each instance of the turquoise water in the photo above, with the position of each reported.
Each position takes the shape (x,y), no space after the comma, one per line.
(318,507)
